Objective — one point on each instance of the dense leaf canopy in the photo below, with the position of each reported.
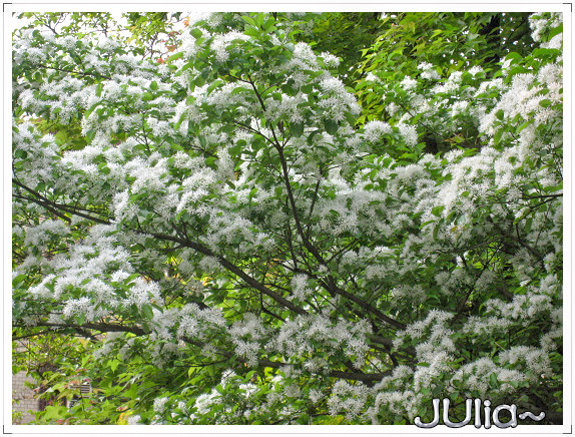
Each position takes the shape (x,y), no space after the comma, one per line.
(288,218)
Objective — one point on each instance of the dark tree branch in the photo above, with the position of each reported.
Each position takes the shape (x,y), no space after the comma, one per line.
(49,204)
(102,327)
(233,269)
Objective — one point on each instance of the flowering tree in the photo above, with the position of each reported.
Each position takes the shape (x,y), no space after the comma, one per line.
(238,250)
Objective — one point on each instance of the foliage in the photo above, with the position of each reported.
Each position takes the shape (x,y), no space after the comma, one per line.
(447,42)
(238,251)
(342,35)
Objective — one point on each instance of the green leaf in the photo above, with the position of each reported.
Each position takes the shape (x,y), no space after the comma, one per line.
(296,129)
(114,364)
(148,311)
(524,125)
(330,126)
(555,31)
(196,33)
(81,318)
(238,90)
(18,280)
(54,412)
(436,211)
(249,20)
(214,85)
(252,31)
(176,56)
(437,228)
(211,162)
(493,382)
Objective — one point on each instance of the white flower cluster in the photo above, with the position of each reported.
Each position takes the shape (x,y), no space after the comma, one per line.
(295,338)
